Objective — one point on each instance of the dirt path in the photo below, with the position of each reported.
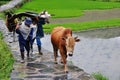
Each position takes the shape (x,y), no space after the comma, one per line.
(10,5)
(91,15)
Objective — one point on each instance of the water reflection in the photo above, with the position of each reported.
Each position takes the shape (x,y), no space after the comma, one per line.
(98,51)
(99,55)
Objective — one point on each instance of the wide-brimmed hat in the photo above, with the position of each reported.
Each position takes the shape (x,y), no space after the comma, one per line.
(44,14)
(28,21)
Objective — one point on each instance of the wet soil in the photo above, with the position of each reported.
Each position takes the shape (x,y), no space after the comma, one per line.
(91,15)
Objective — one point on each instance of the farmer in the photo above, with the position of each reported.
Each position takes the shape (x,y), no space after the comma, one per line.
(39,34)
(32,34)
(42,19)
(23,31)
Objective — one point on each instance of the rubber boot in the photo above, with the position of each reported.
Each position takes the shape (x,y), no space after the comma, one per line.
(22,57)
(39,50)
(28,55)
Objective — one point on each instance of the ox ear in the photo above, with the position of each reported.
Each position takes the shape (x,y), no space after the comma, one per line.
(76,39)
(63,38)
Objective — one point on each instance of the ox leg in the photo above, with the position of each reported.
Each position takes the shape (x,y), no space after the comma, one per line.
(61,60)
(63,56)
(55,55)
(65,64)
(66,69)
(14,36)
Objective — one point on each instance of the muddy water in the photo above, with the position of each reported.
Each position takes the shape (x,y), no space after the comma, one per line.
(98,51)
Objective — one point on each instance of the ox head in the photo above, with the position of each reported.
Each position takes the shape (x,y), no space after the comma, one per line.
(44,17)
(11,24)
(70,43)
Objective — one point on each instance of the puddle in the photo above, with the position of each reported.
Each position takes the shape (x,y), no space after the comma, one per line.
(98,51)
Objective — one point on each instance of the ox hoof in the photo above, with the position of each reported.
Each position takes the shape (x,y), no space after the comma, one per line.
(66,71)
(55,62)
(61,62)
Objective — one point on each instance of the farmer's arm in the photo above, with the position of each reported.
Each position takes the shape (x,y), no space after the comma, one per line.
(17,29)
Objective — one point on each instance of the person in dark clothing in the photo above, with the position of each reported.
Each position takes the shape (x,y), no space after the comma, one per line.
(39,34)
(42,19)
(23,31)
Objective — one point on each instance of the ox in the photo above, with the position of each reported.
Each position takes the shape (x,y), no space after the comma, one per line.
(62,39)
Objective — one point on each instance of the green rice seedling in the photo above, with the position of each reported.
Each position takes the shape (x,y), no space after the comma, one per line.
(99,76)
(66,8)
(85,25)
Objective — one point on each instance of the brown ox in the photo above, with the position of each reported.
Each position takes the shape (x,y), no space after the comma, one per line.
(62,39)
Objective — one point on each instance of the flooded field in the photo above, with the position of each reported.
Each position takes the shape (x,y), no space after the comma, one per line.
(98,51)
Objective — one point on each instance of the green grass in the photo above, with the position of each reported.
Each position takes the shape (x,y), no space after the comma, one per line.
(2,16)
(107,0)
(85,25)
(3,2)
(99,76)
(6,60)
(66,8)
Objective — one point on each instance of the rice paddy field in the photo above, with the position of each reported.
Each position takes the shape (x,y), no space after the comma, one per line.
(67,8)
(72,8)
(85,25)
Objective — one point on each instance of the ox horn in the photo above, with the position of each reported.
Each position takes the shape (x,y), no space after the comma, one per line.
(76,39)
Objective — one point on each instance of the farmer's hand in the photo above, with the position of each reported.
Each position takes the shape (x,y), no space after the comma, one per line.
(17,26)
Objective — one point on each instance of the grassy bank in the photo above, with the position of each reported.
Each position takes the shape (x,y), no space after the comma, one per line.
(3,2)
(6,60)
(85,25)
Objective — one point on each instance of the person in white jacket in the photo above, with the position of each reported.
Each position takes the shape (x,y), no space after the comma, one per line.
(23,31)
